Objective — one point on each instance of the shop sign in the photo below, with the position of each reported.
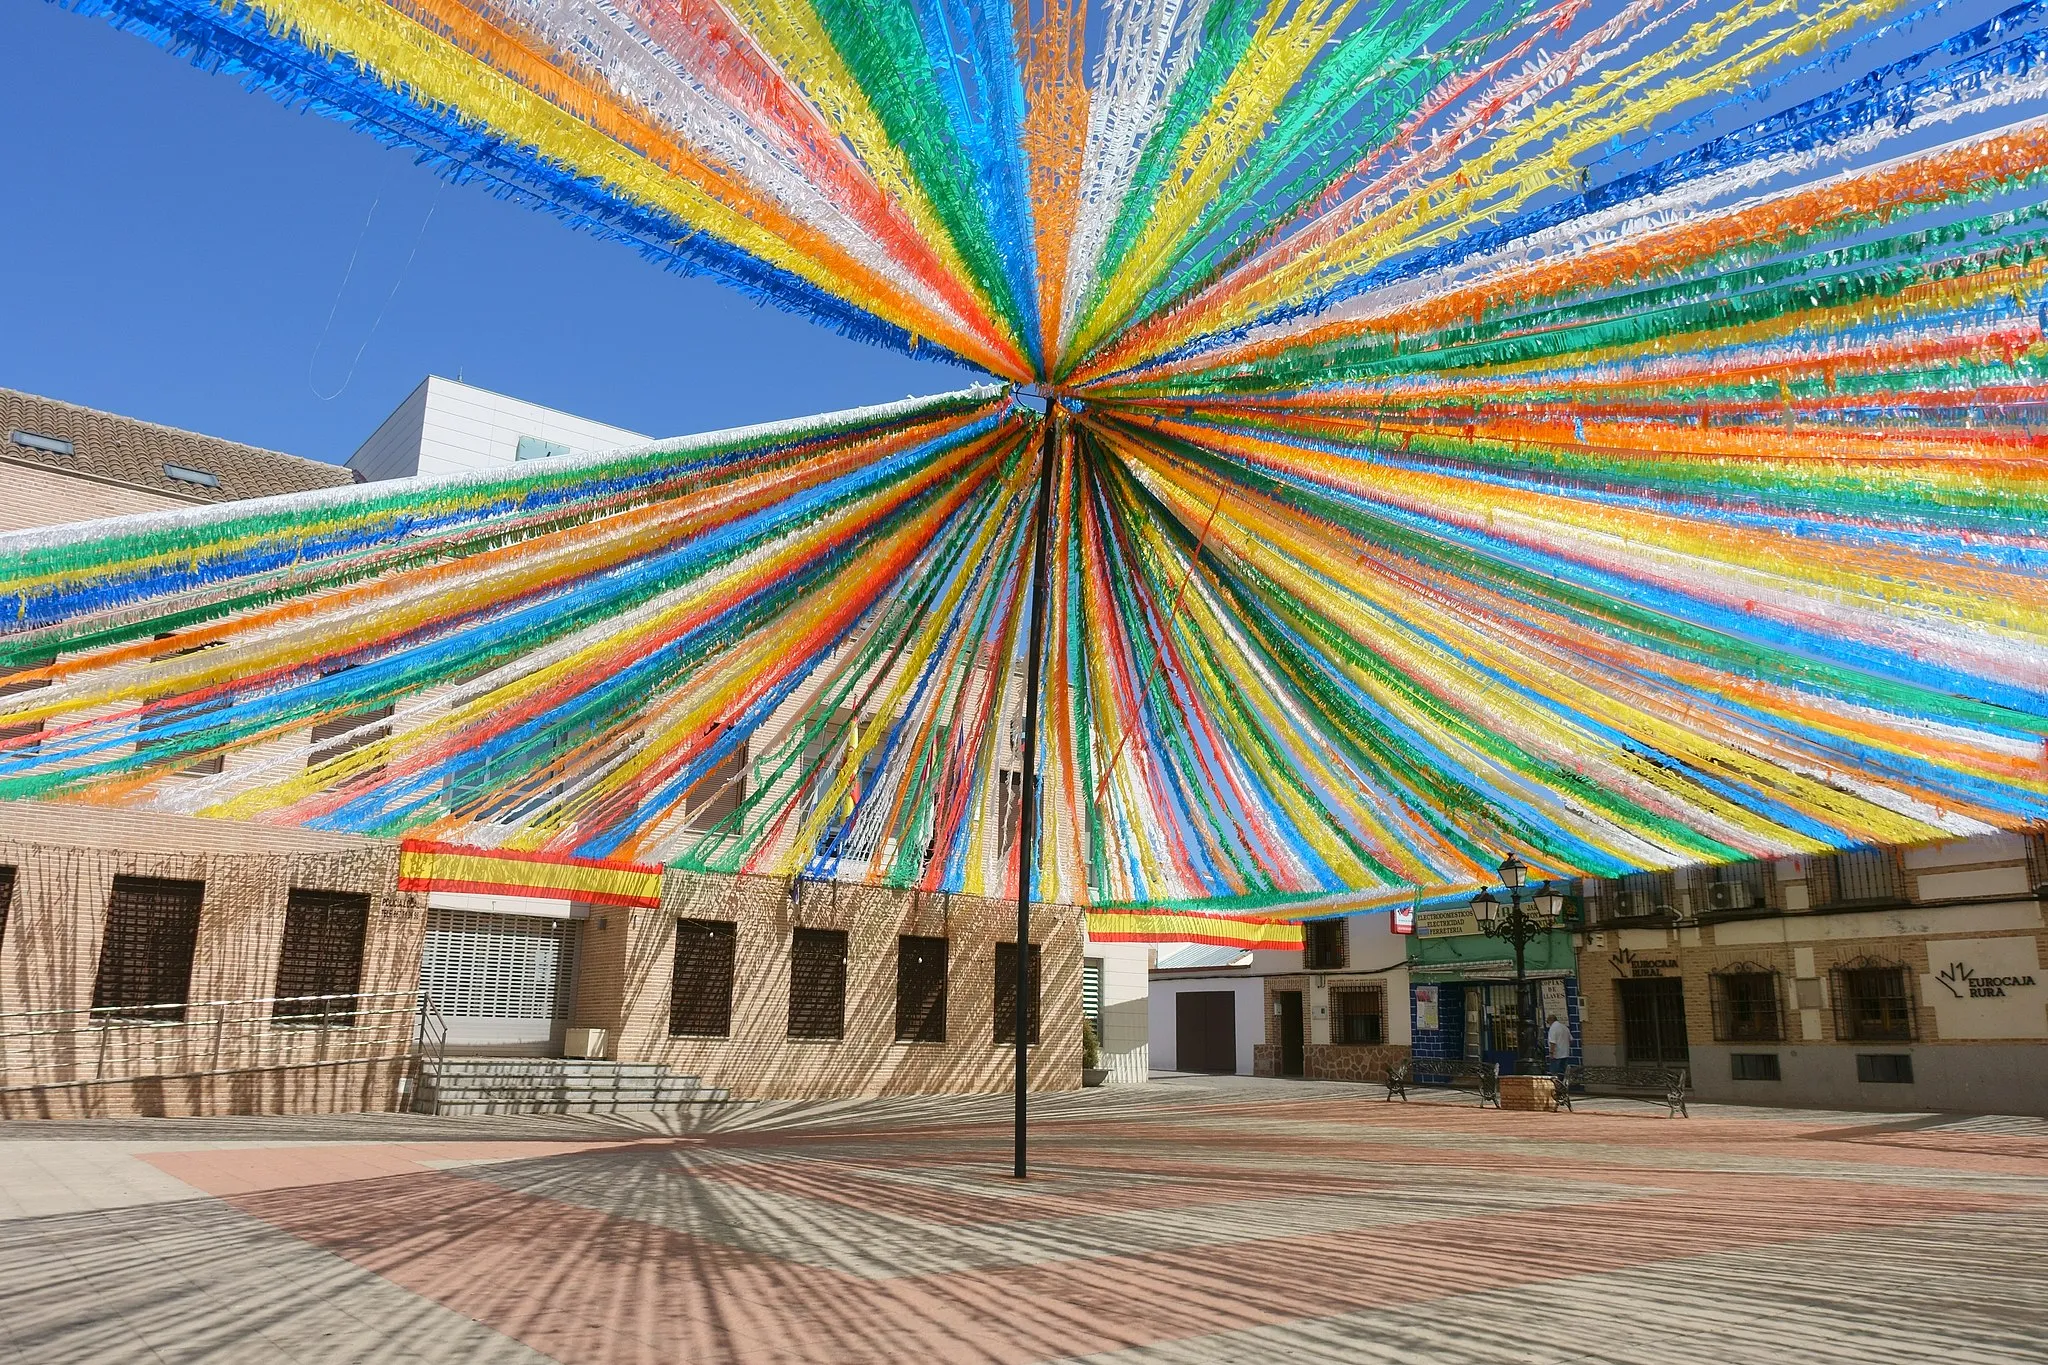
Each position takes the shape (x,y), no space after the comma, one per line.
(1445,923)
(1986,988)
(1425,1008)
(1404,919)
(1627,963)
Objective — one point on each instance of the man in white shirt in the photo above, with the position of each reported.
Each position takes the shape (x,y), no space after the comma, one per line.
(1558,1043)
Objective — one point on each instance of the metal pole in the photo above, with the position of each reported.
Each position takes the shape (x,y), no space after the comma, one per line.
(1521,941)
(1027,784)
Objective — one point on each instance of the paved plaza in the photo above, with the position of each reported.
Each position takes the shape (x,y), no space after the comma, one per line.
(1189,1220)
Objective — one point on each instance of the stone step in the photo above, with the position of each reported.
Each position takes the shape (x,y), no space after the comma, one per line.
(557,1085)
(637,1094)
(538,1066)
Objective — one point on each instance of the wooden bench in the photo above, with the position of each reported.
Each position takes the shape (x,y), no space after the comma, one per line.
(1459,1074)
(1664,1085)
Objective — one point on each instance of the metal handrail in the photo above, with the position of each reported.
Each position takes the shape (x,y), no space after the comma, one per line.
(213,1037)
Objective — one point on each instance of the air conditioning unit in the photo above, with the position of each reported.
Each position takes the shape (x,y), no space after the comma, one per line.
(1730,896)
(1635,903)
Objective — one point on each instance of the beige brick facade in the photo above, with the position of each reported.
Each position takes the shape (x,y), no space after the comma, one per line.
(1328,1060)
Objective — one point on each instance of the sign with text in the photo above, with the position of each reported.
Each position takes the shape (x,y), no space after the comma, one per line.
(1986,988)
(1445,923)
(1628,962)
(1425,1008)
(1404,919)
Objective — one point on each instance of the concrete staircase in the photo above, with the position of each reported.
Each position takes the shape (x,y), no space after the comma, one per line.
(555,1085)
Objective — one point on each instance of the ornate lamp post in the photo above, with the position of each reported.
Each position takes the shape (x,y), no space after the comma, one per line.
(1521,928)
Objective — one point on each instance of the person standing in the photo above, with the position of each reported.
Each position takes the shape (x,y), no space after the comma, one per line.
(1558,1043)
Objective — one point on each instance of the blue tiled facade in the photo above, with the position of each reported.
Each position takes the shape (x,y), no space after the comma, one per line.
(1447,1040)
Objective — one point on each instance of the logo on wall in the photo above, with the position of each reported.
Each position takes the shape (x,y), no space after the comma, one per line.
(1964,984)
(1626,963)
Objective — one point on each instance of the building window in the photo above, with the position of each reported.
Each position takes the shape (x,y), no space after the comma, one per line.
(1323,941)
(1006,995)
(715,800)
(534,448)
(1884,1068)
(35,440)
(1732,888)
(1091,993)
(6,898)
(1358,1015)
(700,991)
(817,983)
(349,731)
(1653,1021)
(1858,876)
(1753,1066)
(920,990)
(22,730)
(1639,895)
(184,474)
(146,953)
(1873,1001)
(322,956)
(1008,783)
(162,715)
(1745,1004)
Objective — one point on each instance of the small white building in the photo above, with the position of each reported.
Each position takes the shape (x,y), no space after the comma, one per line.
(1335,1010)
(448,427)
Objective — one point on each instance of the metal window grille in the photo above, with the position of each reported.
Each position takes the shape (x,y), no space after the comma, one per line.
(1745,1003)
(6,898)
(1733,887)
(1639,895)
(817,983)
(921,989)
(1359,1014)
(1653,1022)
(1873,1001)
(1006,995)
(1325,945)
(1885,1068)
(145,967)
(700,989)
(1091,993)
(1753,1066)
(484,966)
(1859,876)
(322,956)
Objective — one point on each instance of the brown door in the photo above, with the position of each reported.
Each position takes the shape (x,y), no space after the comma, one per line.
(1653,1021)
(1290,1032)
(1205,1031)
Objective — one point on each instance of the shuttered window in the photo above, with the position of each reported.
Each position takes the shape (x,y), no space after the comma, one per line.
(348,731)
(920,990)
(1006,995)
(817,983)
(700,994)
(322,956)
(146,952)
(1091,993)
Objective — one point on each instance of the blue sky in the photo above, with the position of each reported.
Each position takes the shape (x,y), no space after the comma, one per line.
(175,245)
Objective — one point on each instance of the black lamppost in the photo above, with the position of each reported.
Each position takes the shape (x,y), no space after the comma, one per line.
(1521,928)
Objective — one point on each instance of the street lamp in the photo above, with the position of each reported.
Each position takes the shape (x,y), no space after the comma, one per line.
(1519,927)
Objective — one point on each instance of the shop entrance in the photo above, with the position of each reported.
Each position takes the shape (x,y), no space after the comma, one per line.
(1653,1021)
(1490,1029)
(504,983)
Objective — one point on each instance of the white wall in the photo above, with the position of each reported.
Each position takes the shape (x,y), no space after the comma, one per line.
(1126,1023)
(445,427)
(1250,1023)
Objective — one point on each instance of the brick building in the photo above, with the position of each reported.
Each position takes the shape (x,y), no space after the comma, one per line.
(1872,978)
(156,963)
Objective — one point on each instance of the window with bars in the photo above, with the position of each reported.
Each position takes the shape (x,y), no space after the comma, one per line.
(817,983)
(1745,1004)
(700,990)
(921,989)
(1358,1015)
(320,964)
(1638,895)
(1324,942)
(1873,1001)
(146,951)
(1006,995)
(1732,887)
(1858,876)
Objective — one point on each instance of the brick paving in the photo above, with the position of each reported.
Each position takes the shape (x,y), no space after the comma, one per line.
(1190,1220)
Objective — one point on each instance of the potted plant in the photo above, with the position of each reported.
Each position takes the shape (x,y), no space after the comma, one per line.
(1093,1073)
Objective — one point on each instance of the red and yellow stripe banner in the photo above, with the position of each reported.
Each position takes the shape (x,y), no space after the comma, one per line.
(1176,926)
(424,865)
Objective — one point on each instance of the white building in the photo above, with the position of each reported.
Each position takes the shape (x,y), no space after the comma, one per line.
(1335,1010)
(446,427)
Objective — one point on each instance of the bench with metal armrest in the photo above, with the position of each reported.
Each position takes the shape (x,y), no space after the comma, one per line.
(1664,1085)
(1482,1077)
